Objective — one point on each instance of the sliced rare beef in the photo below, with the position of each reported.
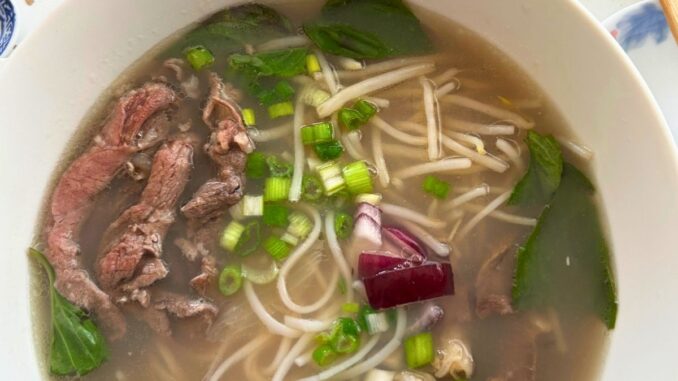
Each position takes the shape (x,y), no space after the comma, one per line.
(165,304)
(228,146)
(495,280)
(132,259)
(121,136)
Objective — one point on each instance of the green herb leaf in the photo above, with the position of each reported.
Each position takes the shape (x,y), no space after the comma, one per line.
(77,345)
(567,242)
(280,63)
(368,29)
(229,31)
(281,92)
(544,173)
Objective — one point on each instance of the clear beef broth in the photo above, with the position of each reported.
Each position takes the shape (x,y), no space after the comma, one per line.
(572,350)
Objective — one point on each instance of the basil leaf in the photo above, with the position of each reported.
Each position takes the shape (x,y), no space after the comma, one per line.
(228,31)
(281,63)
(281,92)
(78,346)
(544,173)
(368,29)
(567,242)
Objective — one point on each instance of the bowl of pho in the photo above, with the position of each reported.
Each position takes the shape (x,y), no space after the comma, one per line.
(377,190)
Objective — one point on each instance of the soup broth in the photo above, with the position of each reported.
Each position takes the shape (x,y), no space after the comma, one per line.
(483,102)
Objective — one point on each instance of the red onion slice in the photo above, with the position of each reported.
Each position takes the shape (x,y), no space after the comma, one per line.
(408,245)
(371,263)
(402,286)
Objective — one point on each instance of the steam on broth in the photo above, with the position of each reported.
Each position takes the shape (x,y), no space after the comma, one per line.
(352,192)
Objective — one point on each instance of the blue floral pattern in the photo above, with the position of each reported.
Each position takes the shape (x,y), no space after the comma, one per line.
(7,21)
(636,27)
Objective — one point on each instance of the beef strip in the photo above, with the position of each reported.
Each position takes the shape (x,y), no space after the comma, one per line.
(227,147)
(495,280)
(82,181)
(164,304)
(132,260)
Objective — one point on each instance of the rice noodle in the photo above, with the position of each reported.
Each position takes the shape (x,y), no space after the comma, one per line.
(381,355)
(512,151)
(470,139)
(329,75)
(371,85)
(307,325)
(493,111)
(296,255)
(337,254)
(268,134)
(396,133)
(411,215)
(379,161)
(480,128)
(440,248)
(485,160)
(288,360)
(494,204)
(269,321)
(252,365)
(298,174)
(354,147)
(349,362)
(479,191)
(432,111)
(240,354)
(403,151)
(304,359)
(580,150)
(283,348)
(506,217)
(384,66)
(350,63)
(283,43)
(442,165)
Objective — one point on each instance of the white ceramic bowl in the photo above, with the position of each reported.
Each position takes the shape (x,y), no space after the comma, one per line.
(58,72)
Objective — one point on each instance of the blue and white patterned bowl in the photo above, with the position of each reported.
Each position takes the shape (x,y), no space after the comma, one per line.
(641,29)
(8,29)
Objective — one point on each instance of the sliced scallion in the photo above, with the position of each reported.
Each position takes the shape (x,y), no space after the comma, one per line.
(276,248)
(252,206)
(230,280)
(300,225)
(328,150)
(357,177)
(366,109)
(351,308)
(281,109)
(277,188)
(256,165)
(419,350)
(331,177)
(259,276)
(436,187)
(376,323)
(199,57)
(317,133)
(289,238)
(343,225)
(312,64)
(311,188)
(249,240)
(276,215)
(324,355)
(249,117)
(231,235)
(369,198)
(278,167)
(350,118)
